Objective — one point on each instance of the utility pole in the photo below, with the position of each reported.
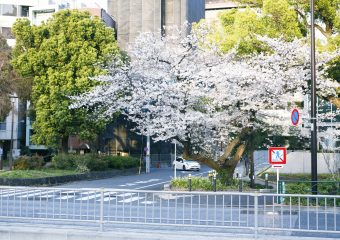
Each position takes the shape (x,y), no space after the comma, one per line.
(314,160)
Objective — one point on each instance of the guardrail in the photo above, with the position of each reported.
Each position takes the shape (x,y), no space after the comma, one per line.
(255,211)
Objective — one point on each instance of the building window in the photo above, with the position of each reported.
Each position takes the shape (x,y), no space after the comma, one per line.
(2,126)
(7,33)
(24,11)
(9,10)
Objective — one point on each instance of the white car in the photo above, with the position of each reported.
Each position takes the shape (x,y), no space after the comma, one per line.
(183,164)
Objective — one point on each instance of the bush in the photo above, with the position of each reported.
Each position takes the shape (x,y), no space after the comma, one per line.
(118,162)
(65,161)
(92,162)
(27,162)
(202,184)
(97,163)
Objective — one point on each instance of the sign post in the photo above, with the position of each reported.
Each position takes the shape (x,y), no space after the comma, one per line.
(277,158)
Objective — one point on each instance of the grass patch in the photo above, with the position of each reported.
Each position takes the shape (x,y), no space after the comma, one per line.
(36,173)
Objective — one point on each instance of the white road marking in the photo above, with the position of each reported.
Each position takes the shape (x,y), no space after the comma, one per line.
(35,194)
(18,193)
(89,197)
(132,199)
(126,195)
(148,202)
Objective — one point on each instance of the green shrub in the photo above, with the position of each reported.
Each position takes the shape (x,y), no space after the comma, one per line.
(118,162)
(65,161)
(203,184)
(27,162)
(92,162)
(97,163)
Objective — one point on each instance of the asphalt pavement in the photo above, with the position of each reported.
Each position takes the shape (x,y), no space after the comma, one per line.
(154,180)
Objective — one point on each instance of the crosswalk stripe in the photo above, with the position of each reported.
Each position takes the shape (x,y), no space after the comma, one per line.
(25,192)
(35,194)
(89,197)
(132,199)
(148,202)
(126,195)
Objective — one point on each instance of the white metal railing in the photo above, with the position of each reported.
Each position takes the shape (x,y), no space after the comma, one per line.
(255,211)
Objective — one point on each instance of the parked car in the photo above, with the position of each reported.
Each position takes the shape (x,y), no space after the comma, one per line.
(183,164)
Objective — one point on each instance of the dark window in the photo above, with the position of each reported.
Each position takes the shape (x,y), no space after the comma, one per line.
(24,11)
(2,126)
(9,10)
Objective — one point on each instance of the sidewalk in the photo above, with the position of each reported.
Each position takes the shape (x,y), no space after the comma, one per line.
(32,232)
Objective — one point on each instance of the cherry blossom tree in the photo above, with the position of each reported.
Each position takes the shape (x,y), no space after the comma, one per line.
(181,87)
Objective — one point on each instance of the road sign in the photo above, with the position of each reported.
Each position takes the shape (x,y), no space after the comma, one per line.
(295,117)
(277,155)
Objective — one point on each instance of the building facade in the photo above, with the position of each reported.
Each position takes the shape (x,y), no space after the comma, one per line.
(135,16)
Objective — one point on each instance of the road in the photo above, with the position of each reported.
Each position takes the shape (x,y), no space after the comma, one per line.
(154,180)
(124,200)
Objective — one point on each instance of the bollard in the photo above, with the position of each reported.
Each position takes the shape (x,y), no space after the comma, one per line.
(189,182)
(214,181)
(266,180)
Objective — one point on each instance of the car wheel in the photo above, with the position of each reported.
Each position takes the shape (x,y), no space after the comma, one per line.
(184,168)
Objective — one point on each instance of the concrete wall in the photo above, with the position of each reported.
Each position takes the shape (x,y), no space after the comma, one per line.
(299,162)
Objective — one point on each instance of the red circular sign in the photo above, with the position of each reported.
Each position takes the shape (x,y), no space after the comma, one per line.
(295,117)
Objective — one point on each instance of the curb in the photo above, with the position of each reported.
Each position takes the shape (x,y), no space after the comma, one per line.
(50,181)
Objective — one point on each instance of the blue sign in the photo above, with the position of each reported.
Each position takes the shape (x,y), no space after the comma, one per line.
(295,117)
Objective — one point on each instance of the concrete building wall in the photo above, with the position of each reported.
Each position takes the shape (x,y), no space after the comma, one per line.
(135,16)
(300,162)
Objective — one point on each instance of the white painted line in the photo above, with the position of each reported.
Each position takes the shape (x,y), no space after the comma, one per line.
(89,197)
(126,195)
(35,194)
(148,202)
(106,199)
(18,193)
(132,199)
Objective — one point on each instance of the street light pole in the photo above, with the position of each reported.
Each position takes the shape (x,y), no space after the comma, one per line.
(314,169)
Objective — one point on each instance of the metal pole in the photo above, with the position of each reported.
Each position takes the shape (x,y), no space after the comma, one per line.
(214,182)
(175,160)
(314,169)
(277,180)
(266,180)
(11,147)
(147,159)
(190,183)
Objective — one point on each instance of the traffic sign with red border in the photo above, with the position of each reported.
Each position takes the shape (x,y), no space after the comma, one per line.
(295,117)
(277,155)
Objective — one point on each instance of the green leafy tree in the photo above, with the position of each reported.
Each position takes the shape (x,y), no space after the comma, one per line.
(277,19)
(61,56)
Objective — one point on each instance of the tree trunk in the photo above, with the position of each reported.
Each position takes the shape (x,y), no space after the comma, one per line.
(64,144)
(252,169)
